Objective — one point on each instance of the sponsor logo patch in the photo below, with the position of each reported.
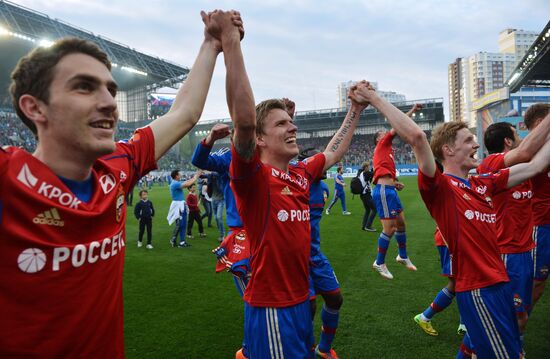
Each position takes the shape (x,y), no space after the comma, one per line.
(26,177)
(286,191)
(50,217)
(107,183)
(282,215)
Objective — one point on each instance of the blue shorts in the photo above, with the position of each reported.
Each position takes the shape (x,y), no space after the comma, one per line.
(519,267)
(489,315)
(321,276)
(278,332)
(446,261)
(386,201)
(541,253)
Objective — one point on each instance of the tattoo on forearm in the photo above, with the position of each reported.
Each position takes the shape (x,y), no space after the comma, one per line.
(245,150)
(343,132)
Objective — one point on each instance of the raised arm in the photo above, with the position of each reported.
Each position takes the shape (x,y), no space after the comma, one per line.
(339,144)
(203,159)
(191,180)
(189,103)
(530,144)
(240,99)
(403,125)
(524,171)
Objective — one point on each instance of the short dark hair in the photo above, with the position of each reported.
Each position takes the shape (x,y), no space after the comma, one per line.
(143,191)
(174,173)
(496,134)
(535,112)
(376,134)
(34,72)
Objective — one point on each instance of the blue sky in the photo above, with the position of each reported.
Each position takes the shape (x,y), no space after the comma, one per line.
(302,49)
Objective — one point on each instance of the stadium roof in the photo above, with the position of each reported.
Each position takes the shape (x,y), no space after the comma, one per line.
(29,29)
(534,68)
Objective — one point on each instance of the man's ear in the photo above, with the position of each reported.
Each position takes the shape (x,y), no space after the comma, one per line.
(32,108)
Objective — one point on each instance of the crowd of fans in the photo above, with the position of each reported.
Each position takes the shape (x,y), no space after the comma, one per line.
(362,149)
(14,133)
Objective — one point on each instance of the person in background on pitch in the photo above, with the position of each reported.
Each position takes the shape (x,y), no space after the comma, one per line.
(194,212)
(144,212)
(178,209)
(206,200)
(388,204)
(339,193)
(365,176)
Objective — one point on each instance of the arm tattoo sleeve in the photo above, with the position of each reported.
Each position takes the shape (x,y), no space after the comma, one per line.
(342,132)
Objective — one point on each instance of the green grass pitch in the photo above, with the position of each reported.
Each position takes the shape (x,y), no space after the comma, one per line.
(177,307)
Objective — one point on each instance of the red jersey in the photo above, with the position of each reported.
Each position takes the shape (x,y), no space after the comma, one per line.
(193,203)
(382,160)
(61,260)
(541,198)
(274,207)
(464,214)
(513,207)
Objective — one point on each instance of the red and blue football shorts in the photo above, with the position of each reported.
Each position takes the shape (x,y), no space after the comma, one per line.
(387,202)
(445,259)
(541,253)
(322,278)
(279,332)
(489,315)
(519,267)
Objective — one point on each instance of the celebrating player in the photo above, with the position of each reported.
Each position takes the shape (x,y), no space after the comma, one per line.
(63,218)
(323,279)
(272,199)
(387,202)
(463,210)
(541,207)
(513,208)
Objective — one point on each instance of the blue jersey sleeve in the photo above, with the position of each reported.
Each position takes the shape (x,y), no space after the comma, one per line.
(217,161)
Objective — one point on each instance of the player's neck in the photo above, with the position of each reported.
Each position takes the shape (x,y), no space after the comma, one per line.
(273,161)
(63,163)
(455,169)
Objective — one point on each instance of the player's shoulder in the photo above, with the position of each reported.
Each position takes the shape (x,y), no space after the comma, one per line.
(6,153)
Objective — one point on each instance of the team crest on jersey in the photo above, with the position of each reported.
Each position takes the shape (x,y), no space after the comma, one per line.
(123,176)
(119,204)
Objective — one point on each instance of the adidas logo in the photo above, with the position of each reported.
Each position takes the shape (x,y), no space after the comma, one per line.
(286,191)
(50,218)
